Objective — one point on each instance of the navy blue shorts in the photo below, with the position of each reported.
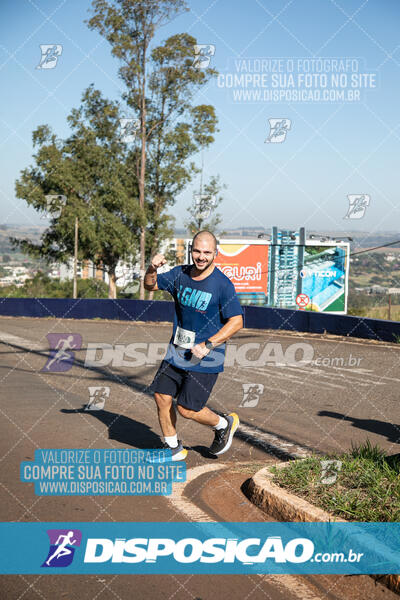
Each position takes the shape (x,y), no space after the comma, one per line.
(192,389)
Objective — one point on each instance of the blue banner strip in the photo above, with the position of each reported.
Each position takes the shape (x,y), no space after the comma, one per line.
(200,548)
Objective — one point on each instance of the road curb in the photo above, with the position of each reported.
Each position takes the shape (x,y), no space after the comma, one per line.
(284,506)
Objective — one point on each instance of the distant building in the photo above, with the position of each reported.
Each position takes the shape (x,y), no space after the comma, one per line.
(377,289)
(125,271)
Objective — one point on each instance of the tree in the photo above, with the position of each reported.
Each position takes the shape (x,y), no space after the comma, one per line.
(204,204)
(92,171)
(160,86)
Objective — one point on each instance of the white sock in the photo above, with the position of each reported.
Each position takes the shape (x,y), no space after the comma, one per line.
(171,440)
(222,423)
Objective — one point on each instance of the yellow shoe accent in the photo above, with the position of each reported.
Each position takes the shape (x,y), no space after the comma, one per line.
(236,421)
(181,455)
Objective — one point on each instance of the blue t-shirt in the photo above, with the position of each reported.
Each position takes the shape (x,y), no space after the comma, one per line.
(202,307)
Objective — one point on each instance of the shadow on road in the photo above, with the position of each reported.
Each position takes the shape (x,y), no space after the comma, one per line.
(389,430)
(121,428)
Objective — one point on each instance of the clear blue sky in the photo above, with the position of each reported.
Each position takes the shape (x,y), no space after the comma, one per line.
(332,148)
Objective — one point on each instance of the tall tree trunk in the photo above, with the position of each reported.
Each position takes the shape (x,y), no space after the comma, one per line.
(75,283)
(142,178)
(112,285)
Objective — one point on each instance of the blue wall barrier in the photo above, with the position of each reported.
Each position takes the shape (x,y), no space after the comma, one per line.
(254,317)
(88,308)
(313,322)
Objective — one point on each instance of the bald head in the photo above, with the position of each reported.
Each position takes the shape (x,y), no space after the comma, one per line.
(206,236)
(204,250)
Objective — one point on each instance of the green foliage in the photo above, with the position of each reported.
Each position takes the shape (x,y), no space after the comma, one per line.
(120,193)
(161,85)
(91,168)
(367,487)
(42,286)
(368,451)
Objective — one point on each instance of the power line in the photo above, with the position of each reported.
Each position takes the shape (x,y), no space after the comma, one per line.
(376,248)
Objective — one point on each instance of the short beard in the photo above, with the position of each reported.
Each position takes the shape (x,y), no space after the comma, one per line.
(208,264)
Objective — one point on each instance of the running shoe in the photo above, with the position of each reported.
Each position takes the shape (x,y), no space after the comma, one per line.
(178,453)
(223,437)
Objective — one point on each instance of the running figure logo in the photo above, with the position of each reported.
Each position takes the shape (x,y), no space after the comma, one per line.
(50,54)
(129,129)
(251,394)
(358,204)
(278,129)
(98,395)
(329,471)
(62,547)
(204,204)
(202,55)
(62,356)
(54,206)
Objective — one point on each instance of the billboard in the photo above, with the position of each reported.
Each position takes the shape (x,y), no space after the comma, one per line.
(246,265)
(287,271)
(323,278)
(306,274)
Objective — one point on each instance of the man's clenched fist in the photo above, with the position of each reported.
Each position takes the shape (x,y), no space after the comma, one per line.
(158,261)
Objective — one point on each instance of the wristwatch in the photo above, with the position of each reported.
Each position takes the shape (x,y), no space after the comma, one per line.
(209,345)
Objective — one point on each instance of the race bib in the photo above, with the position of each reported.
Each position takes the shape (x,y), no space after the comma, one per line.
(184,338)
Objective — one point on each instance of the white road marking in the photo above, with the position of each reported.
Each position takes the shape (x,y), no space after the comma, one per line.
(8,338)
(271,441)
(285,375)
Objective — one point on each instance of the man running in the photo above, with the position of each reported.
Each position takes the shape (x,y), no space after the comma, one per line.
(207,313)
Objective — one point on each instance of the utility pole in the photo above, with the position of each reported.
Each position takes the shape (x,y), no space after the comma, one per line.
(75,291)
(389,306)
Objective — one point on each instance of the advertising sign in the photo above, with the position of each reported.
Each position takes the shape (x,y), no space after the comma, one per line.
(246,265)
(323,278)
(287,270)
(301,269)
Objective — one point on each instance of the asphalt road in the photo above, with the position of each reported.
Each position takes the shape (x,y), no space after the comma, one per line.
(293,409)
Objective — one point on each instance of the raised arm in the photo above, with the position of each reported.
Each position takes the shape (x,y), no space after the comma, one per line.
(150,277)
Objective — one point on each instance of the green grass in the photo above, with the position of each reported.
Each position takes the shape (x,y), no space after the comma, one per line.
(367,487)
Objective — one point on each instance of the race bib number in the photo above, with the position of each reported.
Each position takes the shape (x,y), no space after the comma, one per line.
(184,338)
